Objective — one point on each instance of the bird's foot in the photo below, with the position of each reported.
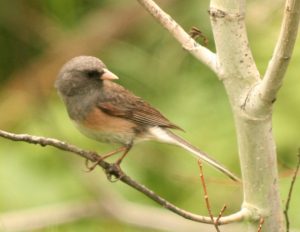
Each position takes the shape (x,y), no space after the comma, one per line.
(114,172)
(101,158)
(90,168)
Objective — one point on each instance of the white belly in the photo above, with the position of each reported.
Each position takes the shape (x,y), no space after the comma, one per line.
(107,136)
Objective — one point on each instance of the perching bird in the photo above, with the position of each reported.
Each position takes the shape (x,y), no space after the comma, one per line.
(107,112)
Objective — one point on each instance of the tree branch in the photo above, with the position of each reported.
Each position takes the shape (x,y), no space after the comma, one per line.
(283,51)
(260,225)
(287,204)
(112,170)
(187,42)
(215,222)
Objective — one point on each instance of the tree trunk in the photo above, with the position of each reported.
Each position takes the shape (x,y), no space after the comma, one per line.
(253,118)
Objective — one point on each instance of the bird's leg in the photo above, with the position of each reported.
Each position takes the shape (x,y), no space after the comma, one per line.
(116,166)
(118,162)
(91,168)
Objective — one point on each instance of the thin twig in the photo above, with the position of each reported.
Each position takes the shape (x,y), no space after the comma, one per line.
(283,51)
(206,196)
(261,222)
(188,43)
(287,205)
(221,213)
(112,170)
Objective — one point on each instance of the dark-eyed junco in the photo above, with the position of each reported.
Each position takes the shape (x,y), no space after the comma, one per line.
(107,112)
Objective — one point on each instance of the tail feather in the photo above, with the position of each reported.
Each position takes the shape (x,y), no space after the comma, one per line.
(167,136)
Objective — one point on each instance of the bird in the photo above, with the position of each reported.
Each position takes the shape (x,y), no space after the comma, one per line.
(105,111)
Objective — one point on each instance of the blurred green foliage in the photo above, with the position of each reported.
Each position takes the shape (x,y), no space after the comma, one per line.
(152,65)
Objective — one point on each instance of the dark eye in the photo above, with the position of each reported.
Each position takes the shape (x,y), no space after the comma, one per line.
(93,74)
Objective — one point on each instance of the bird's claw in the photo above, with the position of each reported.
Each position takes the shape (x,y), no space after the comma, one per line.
(114,171)
(92,167)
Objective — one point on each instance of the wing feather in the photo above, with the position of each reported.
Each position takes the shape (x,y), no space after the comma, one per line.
(122,103)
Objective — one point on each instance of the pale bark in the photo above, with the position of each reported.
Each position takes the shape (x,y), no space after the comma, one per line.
(254,129)
(188,43)
(282,54)
(251,99)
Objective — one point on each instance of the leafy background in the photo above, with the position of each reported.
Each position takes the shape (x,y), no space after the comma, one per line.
(37,37)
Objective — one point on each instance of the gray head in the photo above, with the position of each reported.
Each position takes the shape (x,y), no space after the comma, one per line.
(82,74)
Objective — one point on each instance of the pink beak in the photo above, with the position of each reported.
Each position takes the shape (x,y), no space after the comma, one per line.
(108,75)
